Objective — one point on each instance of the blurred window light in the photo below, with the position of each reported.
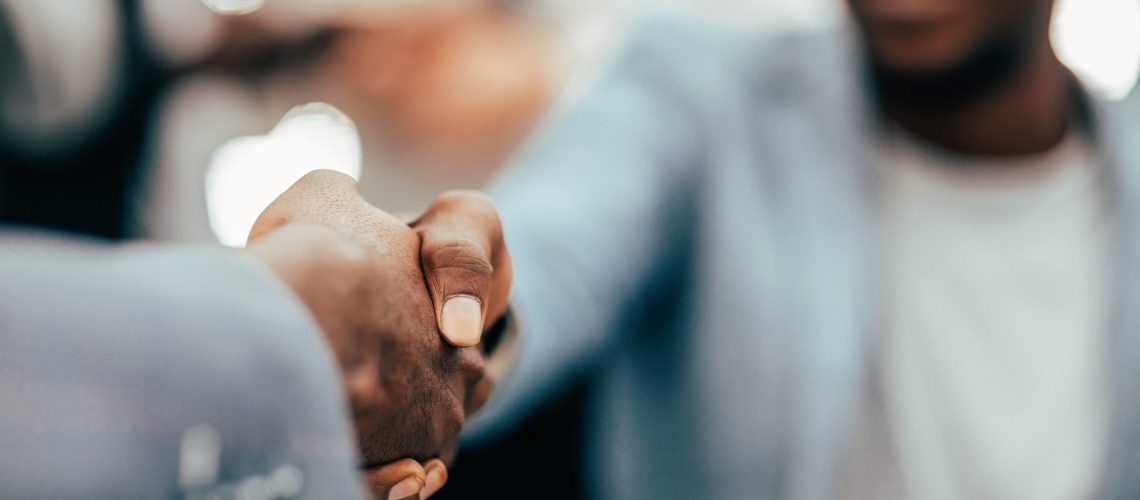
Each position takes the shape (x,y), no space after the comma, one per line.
(1100,41)
(246,174)
(234,7)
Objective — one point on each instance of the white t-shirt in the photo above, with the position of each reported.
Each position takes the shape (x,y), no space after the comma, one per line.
(989,380)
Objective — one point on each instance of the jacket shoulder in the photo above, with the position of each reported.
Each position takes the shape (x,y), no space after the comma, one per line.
(707,61)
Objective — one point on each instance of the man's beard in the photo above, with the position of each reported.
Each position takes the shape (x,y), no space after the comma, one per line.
(993,63)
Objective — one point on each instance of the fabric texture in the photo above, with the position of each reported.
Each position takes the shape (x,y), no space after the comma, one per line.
(162,372)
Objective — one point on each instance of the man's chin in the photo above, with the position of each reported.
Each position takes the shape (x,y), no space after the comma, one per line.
(936,74)
(923,49)
(917,59)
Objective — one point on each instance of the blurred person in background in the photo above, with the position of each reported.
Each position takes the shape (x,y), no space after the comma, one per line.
(130,99)
(439,92)
(900,262)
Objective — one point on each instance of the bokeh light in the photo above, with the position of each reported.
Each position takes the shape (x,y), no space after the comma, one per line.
(199,457)
(234,7)
(246,174)
(1100,41)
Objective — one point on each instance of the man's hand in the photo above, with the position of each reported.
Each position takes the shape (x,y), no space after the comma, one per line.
(407,479)
(358,270)
(466,263)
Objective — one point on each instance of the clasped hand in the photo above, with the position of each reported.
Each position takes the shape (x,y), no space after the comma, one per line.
(403,307)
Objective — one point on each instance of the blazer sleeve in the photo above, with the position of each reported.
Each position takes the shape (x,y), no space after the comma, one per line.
(592,208)
(154,372)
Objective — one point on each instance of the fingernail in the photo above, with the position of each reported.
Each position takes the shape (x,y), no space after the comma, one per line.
(408,488)
(436,478)
(462,321)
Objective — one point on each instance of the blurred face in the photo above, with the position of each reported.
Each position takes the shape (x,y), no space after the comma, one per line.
(935,36)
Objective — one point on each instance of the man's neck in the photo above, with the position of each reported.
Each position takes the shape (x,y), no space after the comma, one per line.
(1029,113)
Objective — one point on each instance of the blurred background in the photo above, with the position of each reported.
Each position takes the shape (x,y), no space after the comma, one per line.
(179,120)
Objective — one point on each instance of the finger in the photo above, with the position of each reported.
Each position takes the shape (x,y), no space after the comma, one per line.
(461,238)
(478,394)
(399,480)
(469,369)
(436,472)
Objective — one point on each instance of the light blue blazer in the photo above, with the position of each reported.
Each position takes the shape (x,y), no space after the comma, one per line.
(697,232)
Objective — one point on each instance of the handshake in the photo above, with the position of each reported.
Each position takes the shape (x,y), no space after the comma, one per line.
(403,307)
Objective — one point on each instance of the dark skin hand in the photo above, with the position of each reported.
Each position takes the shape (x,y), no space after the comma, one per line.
(465,260)
(358,270)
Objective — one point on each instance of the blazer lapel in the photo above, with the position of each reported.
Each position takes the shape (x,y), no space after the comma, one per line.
(826,157)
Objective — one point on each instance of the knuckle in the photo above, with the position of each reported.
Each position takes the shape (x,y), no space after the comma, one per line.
(472,366)
(317,194)
(480,393)
(449,423)
(325,178)
(458,254)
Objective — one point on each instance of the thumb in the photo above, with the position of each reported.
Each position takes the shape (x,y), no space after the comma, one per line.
(459,276)
(458,233)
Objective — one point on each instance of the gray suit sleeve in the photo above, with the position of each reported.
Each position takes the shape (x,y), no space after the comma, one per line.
(162,373)
(590,209)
